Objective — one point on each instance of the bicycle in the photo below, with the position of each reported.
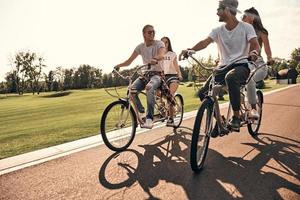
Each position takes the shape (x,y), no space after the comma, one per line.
(121,118)
(209,114)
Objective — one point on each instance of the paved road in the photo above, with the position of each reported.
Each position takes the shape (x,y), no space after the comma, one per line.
(156,166)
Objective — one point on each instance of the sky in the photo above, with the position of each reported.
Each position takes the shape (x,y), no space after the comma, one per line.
(100,33)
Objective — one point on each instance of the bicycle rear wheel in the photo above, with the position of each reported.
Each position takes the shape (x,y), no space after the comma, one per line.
(178,110)
(253,127)
(200,137)
(118,126)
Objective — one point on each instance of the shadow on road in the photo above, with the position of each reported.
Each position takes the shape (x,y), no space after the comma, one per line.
(274,167)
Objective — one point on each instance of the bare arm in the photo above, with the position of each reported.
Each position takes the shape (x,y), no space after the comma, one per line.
(267,47)
(202,44)
(199,46)
(160,54)
(129,60)
(254,46)
(177,68)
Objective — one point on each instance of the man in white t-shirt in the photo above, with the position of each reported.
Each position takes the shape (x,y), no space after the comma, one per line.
(234,39)
(151,51)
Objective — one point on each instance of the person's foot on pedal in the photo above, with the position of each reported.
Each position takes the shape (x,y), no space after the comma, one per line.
(148,124)
(235,123)
(215,132)
(170,122)
(254,114)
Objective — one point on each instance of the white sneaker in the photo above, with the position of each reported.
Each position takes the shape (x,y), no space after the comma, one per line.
(254,114)
(148,124)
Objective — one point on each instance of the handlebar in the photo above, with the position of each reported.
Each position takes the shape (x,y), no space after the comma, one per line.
(148,65)
(231,63)
(189,53)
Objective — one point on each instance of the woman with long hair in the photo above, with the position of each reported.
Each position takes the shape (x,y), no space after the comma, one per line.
(251,16)
(172,73)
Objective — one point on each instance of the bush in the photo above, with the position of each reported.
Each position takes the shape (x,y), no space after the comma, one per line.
(190,85)
(58,94)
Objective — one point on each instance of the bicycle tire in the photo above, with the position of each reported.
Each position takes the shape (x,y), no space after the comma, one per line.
(118,136)
(254,128)
(197,161)
(179,109)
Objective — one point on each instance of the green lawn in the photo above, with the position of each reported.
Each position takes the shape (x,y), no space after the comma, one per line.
(32,122)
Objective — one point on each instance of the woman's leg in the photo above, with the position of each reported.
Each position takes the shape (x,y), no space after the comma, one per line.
(251,86)
(251,92)
(173,87)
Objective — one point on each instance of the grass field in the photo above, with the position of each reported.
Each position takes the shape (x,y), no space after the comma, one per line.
(32,122)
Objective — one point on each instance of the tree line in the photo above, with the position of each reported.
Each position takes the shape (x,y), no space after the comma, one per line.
(27,74)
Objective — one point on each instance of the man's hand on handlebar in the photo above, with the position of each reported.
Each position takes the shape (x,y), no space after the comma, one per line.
(253,55)
(270,61)
(185,54)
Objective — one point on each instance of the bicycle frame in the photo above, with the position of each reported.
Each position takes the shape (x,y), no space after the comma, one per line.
(214,89)
(129,97)
(158,99)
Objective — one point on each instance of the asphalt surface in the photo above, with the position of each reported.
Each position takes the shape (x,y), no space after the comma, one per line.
(157,165)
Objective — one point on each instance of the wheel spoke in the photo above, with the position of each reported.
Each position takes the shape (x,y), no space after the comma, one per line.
(118,126)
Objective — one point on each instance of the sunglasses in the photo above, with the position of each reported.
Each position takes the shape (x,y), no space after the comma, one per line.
(151,32)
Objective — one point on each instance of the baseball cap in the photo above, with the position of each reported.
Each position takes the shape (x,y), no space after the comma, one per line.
(230,4)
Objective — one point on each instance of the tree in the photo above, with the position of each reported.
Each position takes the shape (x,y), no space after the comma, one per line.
(34,73)
(68,79)
(185,73)
(11,82)
(105,80)
(295,59)
(3,88)
(28,68)
(97,80)
(59,78)
(49,80)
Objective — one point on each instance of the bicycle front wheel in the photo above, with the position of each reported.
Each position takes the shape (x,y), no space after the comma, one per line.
(200,137)
(178,110)
(118,126)
(254,125)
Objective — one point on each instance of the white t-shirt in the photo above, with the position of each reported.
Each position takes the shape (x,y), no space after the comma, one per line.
(149,52)
(233,44)
(168,63)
